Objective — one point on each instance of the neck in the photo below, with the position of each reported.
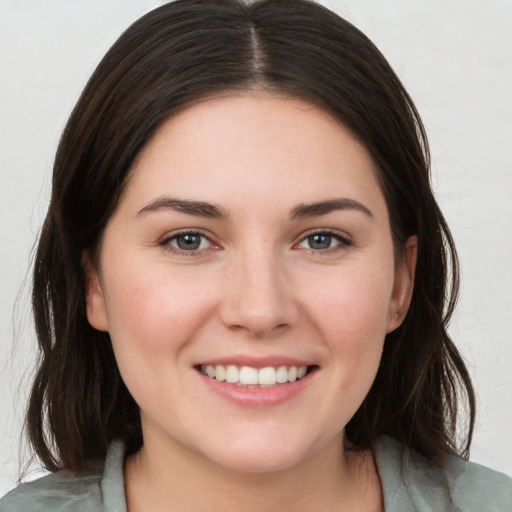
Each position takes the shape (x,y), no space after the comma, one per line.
(332,479)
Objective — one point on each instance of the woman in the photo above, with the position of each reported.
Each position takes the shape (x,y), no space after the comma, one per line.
(240,289)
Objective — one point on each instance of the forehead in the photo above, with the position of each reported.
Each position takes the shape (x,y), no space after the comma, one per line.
(253,146)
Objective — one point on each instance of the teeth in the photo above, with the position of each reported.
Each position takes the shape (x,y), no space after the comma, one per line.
(267,376)
(282,375)
(232,374)
(220,373)
(248,376)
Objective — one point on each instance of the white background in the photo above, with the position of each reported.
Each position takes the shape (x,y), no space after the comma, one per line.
(455,58)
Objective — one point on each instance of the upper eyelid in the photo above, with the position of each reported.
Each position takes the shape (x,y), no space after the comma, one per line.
(332,232)
(344,241)
(167,238)
(185,231)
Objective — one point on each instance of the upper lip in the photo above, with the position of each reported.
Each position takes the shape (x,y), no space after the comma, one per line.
(255,361)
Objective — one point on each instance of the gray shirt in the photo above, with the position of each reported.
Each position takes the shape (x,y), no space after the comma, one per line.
(409,485)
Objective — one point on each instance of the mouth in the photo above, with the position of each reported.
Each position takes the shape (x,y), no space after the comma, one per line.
(250,377)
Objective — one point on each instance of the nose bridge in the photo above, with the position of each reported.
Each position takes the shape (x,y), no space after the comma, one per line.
(258,296)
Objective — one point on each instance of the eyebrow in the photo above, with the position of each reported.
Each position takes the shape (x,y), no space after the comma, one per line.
(303,211)
(203,209)
(197,208)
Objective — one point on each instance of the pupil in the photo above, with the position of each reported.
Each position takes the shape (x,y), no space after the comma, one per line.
(320,241)
(189,242)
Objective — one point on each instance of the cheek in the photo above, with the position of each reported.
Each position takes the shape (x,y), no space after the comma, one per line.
(350,313)
(351,317)
(153,315)
(352,307)
(147,299)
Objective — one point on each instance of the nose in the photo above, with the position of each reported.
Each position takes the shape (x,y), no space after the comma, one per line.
(258,295)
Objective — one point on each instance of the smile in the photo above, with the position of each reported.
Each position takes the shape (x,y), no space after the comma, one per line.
(249,376)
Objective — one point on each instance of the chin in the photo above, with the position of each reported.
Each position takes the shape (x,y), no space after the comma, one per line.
(255,463)
(259,457)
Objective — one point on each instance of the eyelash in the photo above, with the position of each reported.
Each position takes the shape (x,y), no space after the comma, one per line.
(343,240)
(166,242)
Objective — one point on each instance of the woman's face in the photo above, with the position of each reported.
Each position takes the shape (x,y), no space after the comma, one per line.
(247,280)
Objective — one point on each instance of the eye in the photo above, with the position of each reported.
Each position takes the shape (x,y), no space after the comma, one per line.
(324,240)
(188,241)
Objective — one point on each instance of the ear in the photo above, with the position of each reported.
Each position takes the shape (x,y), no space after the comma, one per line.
(403,285)
(94,298)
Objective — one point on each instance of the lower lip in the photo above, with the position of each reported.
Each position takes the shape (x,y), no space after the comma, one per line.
(258,397)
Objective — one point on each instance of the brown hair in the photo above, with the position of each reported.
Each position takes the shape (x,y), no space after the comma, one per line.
(162,63)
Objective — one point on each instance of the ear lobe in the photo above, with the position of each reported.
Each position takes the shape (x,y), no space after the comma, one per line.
(94,298)
(403,285)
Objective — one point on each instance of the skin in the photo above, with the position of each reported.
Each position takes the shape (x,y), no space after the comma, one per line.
(256,286)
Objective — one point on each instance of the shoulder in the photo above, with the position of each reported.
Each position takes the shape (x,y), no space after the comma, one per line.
(61,491)
(64,491)
(478,486)
(411,482)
